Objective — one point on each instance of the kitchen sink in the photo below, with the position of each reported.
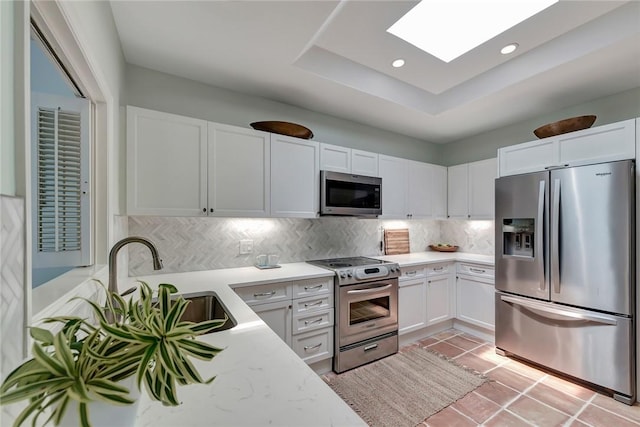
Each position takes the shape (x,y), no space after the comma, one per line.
(206,306)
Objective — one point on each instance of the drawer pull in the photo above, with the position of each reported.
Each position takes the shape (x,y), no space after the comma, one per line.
(264,294)
(311,322)
(477,270)
(411,273)
(370,347)
(310,288)
(307,305)
(438,268)
(311,347)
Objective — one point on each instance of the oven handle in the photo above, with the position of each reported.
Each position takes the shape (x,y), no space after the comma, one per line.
(370,290)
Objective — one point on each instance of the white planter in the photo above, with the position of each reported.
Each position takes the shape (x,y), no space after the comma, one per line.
(104,414)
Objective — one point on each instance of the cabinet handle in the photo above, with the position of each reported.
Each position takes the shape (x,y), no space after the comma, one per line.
(211,210)
(204,210)
(307,288)
(306,305)
(476,270)
(311,322)
(312,347)
(264,294)
(438,268)
(410,273)
(370,347)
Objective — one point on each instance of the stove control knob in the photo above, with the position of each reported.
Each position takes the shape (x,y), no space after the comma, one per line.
(349,273)
(392,269)
(343,274)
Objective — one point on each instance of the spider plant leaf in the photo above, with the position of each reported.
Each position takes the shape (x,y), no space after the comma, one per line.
(166,358)
(14,376)
(99,385)
(60,410)
(63,353)
(28,410)
(42,335)
(198,349)
(164,300)
(186,368)
(48,362)
(84,415)
(169,287)
(173,317)
(169,390)
(114,399)
(25,378)
(144,362)
(34,389)
(206,326)
(78,391)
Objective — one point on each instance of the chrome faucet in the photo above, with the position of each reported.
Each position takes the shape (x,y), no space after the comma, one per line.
(113,255)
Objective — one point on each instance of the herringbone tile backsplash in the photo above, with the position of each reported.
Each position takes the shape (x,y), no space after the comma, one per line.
(191,244)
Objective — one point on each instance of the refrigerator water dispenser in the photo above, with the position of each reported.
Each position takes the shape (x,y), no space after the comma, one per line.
(518,237)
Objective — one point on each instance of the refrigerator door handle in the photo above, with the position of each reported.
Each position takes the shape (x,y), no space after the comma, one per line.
(555,237)
(544,308)
(539,236)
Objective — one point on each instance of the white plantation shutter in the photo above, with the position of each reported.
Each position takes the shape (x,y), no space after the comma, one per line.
(60,181)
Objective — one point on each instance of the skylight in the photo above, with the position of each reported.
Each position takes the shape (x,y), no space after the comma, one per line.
(447,29)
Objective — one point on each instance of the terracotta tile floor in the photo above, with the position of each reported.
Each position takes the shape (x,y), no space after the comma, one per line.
(519,394)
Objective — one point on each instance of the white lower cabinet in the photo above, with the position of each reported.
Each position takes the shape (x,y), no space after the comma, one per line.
(277,315)
(438,299)
(412,304)
(475,295)
(300,312)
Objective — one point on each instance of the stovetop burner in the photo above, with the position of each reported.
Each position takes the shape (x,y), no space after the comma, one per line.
(335,263)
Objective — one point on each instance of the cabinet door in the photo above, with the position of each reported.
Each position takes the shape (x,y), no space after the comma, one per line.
(393,172)
(364,163)
(295,177)
(412,305)
(458,191)
(475,302)
(166,164)
(420,194)
(482,177)
(238,171)
(438,191)
(438,299)
(529,157)
(606,143)
(277,315)
(335,158)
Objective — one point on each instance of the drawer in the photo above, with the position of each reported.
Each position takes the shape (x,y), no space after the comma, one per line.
(437,269)
(308,287)
(261,294)
(313,303)
(411,272)
(312,321)
(476,270)
(314,346)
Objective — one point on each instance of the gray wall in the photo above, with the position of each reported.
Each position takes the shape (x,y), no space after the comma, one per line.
(610,109)
(163,92)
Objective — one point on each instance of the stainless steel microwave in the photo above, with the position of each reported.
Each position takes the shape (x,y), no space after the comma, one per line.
(347,194)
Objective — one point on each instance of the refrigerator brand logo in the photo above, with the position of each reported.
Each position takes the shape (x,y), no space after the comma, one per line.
(603,173)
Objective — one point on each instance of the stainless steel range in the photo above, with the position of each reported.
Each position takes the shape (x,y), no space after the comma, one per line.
(366,304)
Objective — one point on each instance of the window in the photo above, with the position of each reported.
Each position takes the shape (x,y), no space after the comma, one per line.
(60,131)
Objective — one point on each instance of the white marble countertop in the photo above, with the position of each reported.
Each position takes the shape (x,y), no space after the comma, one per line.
(259,379)
(429,257)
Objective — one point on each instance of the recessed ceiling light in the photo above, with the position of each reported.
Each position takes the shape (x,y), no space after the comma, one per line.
(442,29)
(510,48)
(398,63)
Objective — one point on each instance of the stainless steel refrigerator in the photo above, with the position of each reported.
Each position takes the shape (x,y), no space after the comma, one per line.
(565,272)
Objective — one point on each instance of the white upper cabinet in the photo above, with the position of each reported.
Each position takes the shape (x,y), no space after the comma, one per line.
(606,143)
(335,158)
(412,189)
(166,164)
(471,192)
(238,171)
(364,163)
(394,174)
(341,159)
(458,191)
(295,177)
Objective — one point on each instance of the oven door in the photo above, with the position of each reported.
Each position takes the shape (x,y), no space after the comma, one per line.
(366,310)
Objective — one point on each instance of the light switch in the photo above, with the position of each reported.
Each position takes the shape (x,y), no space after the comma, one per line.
(246,246)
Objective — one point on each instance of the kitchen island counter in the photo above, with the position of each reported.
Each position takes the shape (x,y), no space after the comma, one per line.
(259,379)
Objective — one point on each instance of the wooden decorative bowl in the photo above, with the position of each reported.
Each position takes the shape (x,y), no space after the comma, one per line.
(565,126)
(443,248)
(284,128)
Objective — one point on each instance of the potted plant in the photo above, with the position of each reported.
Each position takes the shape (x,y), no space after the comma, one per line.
(84,363)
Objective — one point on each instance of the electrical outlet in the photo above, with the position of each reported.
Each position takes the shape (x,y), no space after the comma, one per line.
(246,246)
